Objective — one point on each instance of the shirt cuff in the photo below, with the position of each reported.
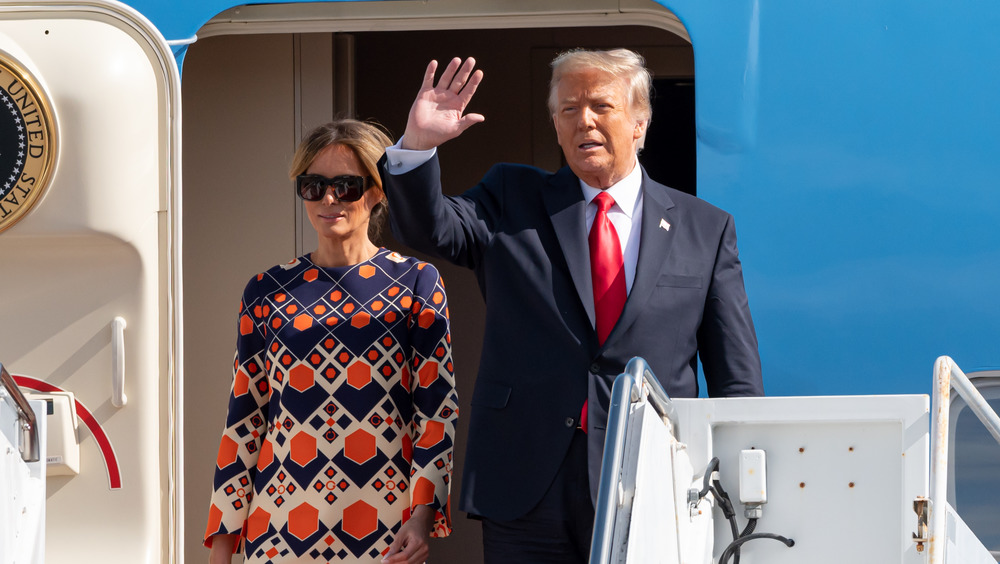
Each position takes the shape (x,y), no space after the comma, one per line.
(402,160)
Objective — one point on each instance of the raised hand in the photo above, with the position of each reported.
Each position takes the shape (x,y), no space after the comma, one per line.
(436,114)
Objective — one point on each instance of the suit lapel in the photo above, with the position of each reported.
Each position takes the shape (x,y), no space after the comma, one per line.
(657,235)
(568,211)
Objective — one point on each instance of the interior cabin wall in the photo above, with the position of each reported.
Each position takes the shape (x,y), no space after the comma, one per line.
(238,220)
(245,104)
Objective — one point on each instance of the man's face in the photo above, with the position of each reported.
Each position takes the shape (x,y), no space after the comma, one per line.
(594,127)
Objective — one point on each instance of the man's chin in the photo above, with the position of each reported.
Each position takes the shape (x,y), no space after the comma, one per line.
(591,166)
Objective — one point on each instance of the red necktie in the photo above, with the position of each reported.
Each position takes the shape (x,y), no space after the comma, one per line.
(607,270)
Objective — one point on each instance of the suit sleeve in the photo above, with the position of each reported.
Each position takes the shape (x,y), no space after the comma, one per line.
(727,342)
(435,402)
(455,228)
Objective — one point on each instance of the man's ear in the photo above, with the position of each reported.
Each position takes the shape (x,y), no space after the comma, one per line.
(640,129)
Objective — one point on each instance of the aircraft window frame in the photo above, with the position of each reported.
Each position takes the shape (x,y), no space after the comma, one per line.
(988,384)
(402,15)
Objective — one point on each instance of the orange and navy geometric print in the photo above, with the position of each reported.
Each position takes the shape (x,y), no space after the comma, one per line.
(342,411)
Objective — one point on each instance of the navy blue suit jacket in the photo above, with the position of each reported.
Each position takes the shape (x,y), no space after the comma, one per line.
(523,232)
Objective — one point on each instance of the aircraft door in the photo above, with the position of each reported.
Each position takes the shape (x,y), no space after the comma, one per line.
(88,304)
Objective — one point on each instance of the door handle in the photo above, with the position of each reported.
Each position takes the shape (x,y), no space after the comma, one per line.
(118,398)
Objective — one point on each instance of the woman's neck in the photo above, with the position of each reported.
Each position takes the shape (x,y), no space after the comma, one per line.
(342,253)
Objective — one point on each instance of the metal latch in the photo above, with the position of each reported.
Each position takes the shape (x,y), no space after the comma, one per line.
(921,506)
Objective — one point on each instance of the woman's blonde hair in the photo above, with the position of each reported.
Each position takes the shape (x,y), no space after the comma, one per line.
(367,140)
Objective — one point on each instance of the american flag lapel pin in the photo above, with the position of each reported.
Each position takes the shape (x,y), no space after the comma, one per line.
(664,225)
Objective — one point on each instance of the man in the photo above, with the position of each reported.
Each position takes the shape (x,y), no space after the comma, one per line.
(576,284)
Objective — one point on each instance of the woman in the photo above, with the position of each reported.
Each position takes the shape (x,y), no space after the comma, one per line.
(338,440)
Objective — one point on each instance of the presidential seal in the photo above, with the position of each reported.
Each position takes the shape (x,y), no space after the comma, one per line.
(27,141)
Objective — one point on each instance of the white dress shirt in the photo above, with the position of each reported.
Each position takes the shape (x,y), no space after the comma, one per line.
(402,160)
(625,215)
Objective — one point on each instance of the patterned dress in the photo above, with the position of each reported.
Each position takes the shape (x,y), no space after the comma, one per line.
(342,411)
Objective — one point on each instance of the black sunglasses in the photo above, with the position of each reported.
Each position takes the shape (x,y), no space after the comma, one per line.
(346,188)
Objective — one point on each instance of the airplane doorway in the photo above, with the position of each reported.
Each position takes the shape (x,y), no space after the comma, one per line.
(669,156)
(248,97)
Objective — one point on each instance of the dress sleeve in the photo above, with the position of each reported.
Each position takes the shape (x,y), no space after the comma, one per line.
(246,421)
(435,401)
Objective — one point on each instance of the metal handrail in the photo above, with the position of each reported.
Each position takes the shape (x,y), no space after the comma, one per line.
(118,397)
(658,397)
(29,425)
(628,388)
(948,376)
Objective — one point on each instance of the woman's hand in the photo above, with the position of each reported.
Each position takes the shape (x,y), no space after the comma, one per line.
(436,114)
(410,544)
(222,549)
